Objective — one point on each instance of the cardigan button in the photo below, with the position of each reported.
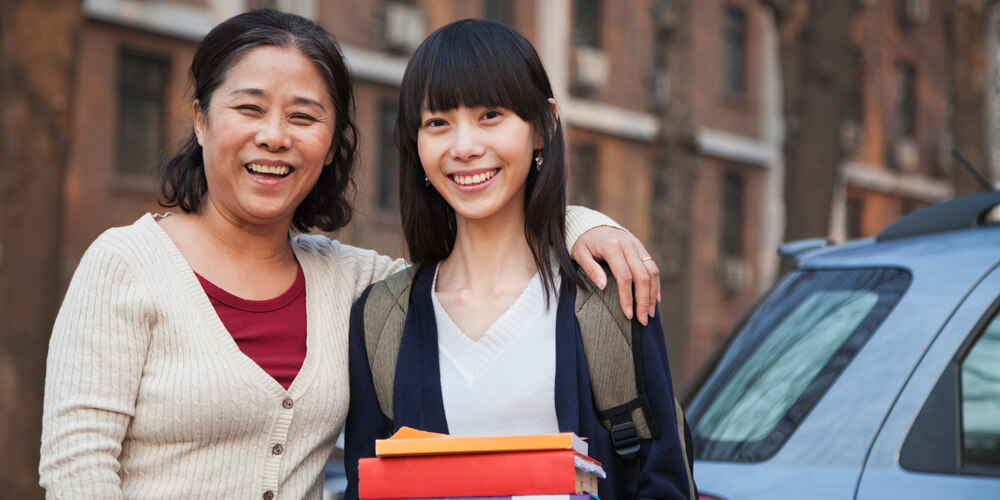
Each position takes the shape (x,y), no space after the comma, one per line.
(277,449)
(268,495)
(287,404)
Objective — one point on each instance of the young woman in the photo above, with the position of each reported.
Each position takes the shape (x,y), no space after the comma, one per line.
(204,354)
(491,345)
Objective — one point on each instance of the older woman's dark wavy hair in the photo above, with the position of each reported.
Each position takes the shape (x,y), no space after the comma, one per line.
(482,63)
(328,205)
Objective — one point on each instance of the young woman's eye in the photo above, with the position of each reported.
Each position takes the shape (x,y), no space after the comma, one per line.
(492,114)
(434,122)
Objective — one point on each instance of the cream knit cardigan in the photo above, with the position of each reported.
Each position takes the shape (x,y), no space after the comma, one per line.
(148,396)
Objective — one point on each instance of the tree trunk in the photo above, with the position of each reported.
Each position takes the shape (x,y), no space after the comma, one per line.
(673,178)
(971,124)
(817,72)
(37,53)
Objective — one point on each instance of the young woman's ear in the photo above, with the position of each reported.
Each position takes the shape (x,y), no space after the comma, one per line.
(199,122)
(540,140)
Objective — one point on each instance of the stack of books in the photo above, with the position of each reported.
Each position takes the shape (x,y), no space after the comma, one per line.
(418,465)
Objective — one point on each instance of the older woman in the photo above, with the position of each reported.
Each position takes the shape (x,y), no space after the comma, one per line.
(204,354)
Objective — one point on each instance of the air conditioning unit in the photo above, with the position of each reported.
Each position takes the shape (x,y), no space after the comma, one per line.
(915,11)
(907,155)
(590,69)
(403,28)
(735,274)
(850,136)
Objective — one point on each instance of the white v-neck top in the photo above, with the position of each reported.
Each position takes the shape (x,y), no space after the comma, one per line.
(504,383)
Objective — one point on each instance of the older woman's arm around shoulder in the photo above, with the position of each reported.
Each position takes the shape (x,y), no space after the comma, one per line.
(95,360)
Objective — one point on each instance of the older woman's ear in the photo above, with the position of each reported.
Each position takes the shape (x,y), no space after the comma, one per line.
(199,121)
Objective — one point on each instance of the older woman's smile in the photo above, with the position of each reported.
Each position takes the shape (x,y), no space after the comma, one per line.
(268,170)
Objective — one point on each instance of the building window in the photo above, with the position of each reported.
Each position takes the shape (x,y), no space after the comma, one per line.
(731,226)
(659,203)
(261,4)
(906,109)
(500,11)
(587,23)
(853,105)
(583,173)
(142,82)
(852,218)
(734,51)
(387,196)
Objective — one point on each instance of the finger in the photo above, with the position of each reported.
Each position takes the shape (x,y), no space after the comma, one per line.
(654,285)
(594,271)
(615,257)
(654,278)
(640,278)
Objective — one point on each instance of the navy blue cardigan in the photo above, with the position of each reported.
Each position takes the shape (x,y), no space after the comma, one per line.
(417,400)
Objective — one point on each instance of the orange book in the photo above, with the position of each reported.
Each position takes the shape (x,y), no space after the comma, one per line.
(409,441)
(550,472)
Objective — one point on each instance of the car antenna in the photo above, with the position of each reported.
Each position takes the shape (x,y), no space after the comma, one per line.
(975,173)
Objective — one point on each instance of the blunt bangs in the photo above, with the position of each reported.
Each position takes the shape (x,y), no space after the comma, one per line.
(476,63)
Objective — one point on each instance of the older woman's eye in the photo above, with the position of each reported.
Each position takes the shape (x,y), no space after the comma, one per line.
(250,109)
(302,118)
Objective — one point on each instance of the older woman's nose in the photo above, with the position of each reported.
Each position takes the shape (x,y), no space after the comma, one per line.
(273,134)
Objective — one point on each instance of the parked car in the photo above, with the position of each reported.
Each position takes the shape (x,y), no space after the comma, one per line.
(869,371)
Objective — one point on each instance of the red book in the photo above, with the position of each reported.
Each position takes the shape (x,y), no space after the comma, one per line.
(513,473)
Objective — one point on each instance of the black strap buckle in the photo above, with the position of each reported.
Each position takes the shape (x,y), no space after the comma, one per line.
(625,438)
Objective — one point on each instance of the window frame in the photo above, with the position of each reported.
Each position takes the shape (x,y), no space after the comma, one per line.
(387,173)
(587,25)
(895,285)
(132,177)
(934,443)
(735,51)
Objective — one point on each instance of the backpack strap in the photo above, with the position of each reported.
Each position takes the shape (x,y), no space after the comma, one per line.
(614,359)
(613,348)
(385,306)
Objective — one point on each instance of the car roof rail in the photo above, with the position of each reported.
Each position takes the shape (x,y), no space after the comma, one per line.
(792,248)
(960,213)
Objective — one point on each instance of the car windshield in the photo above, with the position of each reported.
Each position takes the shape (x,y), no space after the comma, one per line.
(785,356)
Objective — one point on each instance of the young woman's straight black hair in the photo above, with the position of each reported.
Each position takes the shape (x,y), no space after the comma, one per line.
(328,204)
(482,63)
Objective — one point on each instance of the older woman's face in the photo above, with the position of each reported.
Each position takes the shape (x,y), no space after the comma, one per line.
(266,136)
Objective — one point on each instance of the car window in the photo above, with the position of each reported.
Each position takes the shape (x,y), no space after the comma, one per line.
(785,356)
(980,395)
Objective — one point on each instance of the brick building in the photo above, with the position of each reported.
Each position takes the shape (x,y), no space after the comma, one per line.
(898,131)
(616,93)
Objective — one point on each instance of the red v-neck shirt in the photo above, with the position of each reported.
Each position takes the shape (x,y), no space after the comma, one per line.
(271,332)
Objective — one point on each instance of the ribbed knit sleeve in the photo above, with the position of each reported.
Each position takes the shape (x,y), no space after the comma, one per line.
(582,219)
(95,361)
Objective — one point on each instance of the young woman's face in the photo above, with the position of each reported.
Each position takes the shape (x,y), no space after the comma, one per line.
(478,158)
(266,136)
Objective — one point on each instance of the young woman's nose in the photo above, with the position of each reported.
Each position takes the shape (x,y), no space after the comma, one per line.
(273,134)
(467,144)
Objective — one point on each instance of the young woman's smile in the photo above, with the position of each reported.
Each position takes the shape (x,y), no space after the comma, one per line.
(478,158)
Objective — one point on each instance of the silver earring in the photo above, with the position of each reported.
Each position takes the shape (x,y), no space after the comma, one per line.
(427,182)
(538,161)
